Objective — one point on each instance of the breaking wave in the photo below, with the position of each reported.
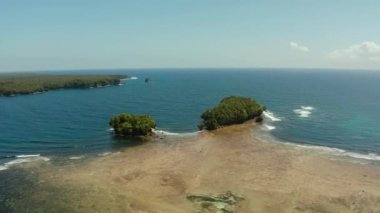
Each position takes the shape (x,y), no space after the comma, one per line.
(340,152)
(271,116)
(269,127)
(76,157)
(104,154)
(266,136)
(130,78)
(20,159)
(162,132)
(304,111)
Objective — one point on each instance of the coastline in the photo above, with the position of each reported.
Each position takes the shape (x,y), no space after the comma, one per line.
(157,177)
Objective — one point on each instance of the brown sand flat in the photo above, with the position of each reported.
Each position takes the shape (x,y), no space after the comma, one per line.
(157,176)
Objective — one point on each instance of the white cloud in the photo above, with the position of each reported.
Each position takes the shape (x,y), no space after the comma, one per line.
(296,46)
(366,50)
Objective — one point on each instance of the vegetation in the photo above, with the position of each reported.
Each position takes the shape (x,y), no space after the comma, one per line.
(15,84)
(231,110)
(132,125)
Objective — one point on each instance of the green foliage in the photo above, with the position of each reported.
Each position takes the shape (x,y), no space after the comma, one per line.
(132,125)
(231,110)
(31,83)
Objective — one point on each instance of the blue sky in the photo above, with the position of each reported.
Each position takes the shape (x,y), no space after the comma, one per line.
(86,34)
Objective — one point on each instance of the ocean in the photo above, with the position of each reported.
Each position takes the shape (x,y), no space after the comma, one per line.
(337,110)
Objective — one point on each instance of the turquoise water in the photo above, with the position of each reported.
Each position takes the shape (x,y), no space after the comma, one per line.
(329,108)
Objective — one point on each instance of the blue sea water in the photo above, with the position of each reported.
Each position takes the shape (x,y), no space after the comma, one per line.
(329,108)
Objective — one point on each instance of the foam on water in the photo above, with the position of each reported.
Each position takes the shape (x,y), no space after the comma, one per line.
(76,157)
(131,78)
(162,132)
(268,114)
(167,133)
(370,156)
(269,127)
(266,136)
(104,153)
(309,108)
(269,120)
(36,93)
(340,152)
(20,159)
(304,111)
(27,156)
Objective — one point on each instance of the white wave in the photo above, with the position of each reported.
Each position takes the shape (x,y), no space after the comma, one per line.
(370,156)
(162,132)
(27,156)
(120,84)
(23,159)
(308,108)
(18,161)
(104,153)
(304,111)
(339,152)
(76,157)
(271,116)
(269,127)
(110,129)
(266,136)
(320,148)
(130,78)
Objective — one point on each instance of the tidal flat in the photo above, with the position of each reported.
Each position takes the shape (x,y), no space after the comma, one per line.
(159,176)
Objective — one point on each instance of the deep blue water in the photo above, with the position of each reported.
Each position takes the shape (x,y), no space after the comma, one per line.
(343,107)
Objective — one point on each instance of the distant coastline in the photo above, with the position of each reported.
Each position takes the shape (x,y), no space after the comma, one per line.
(24,84)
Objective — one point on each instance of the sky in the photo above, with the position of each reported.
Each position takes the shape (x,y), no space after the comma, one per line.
(109,34)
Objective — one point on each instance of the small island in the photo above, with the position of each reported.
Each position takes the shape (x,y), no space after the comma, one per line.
(231,110)
(20,84)
(131,125)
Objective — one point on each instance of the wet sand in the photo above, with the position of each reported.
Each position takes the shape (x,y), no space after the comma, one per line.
(157,176)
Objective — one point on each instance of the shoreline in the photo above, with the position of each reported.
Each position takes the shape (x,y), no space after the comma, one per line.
(157,177)
(258,131)
(343,154)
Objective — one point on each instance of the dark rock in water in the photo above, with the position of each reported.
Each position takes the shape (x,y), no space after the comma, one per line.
(259,119)
(147,80)
(225,202)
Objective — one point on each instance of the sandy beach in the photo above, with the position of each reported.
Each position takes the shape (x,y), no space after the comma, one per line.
(157,177)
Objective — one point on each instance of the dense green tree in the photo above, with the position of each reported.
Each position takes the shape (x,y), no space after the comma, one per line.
(30,83)
(231,110)
(132,125)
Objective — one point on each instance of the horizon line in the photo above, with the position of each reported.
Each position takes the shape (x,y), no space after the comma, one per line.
(190,68)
